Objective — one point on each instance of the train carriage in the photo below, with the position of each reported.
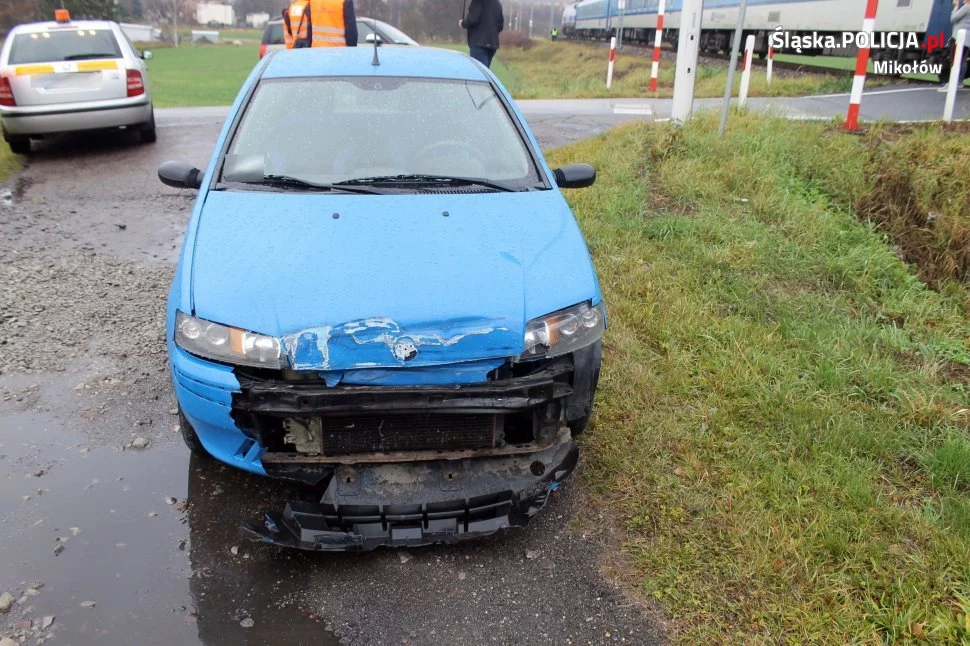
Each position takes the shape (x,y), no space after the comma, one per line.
(599,19)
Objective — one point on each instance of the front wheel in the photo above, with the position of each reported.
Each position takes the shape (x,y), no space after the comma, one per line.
(191,438)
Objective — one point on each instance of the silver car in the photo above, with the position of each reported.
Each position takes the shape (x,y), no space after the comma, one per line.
(367,30)
(69,75)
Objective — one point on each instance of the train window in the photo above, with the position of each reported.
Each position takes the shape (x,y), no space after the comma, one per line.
(774,16)
(904,4)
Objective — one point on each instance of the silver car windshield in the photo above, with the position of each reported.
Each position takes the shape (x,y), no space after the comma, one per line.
(396,36)
(344,129)
(63,45)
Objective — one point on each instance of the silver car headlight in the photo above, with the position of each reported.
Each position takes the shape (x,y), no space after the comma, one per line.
(564,331)
(228,344)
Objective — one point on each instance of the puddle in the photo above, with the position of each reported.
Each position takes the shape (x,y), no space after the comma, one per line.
(164,572)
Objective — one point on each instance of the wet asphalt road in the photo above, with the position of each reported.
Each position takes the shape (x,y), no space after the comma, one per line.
(150,537)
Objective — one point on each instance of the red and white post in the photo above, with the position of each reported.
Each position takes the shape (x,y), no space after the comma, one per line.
(609,69)
(746,71)
(861,65)
(655,66)
(956,78)
(771,62)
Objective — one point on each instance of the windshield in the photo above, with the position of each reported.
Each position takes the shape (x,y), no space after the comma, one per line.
(273,34)
(394,35)
(63,45)
(342,129)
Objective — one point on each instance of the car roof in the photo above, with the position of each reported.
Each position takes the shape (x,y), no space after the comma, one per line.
(34,27)
(279,21)
(428,62)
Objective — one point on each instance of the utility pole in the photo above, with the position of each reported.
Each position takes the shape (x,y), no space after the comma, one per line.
(532,15)
(621,7)
(732,63)
(688,49)
(175,20)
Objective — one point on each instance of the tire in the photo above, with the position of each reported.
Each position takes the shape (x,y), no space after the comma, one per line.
(577,426)
(19,145)
(147,131)
(191,438)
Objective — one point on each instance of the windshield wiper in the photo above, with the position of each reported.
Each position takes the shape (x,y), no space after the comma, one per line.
(431,179)
(296,182)
(81,57)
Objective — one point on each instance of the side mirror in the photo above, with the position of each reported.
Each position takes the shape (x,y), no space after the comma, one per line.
(180,175)
(370,38)
(575,176)
(146,55)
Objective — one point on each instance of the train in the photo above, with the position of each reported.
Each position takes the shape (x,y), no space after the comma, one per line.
(805,24)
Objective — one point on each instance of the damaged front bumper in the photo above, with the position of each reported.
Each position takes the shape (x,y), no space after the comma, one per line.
(368,506)
(397,465)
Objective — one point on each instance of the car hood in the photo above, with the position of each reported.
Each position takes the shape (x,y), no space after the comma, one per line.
(361,281)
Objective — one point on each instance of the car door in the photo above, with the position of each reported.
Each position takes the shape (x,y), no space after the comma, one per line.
(67,64)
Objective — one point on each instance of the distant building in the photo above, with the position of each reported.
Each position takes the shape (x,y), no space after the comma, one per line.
(141,33)
(257,20)
(215,13)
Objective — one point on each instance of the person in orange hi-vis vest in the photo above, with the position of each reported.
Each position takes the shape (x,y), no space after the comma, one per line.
(320,23)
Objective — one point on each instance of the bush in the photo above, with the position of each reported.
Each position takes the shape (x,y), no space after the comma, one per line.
(516,39)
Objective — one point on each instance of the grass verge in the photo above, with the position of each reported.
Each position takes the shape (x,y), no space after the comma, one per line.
(8,162)
(576,70)
(782,421)
(200,75)
(207,75)
(842,63)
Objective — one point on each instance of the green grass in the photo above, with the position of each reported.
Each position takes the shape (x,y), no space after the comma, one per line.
(200,75)
(840,63)
(212,74)
(782,420)
(8,162)
(577,70)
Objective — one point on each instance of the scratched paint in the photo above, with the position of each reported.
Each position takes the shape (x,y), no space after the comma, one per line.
(380,342)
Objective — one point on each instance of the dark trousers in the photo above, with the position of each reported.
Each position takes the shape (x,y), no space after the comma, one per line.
(483,55)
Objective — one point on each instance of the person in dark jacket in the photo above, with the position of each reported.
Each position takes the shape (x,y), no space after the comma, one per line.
(483,22)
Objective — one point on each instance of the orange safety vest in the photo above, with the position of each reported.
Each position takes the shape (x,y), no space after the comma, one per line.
(296,23)
(327,27)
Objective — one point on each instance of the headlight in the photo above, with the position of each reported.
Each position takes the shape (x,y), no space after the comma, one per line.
(564,331)
(221,343)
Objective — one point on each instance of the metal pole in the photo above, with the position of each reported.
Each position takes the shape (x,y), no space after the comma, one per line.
(621,7)
(732,63)
(688,49)
(532,15)
(175,21)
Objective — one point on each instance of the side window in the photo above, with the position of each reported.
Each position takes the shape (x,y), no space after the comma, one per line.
(362,30)
(131,45)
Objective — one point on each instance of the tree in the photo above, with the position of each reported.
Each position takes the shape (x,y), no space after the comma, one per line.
(13,12)
(80,9)
(137,11)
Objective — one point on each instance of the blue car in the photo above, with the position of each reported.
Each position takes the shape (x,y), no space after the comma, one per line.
(383,294)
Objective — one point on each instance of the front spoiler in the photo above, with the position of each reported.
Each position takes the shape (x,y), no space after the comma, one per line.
(421,503)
